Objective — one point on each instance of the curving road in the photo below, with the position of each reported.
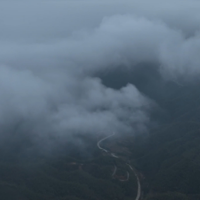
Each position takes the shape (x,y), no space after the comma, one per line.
(99,142)
(115,169)
(138,182)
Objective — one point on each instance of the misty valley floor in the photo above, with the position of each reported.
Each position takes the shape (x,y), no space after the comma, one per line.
(64,178)
(167,159)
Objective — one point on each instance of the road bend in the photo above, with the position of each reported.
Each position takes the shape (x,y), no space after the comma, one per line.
(115,169)
(138,182)
(100,141)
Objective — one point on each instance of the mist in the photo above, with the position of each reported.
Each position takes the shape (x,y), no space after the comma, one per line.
(90,67)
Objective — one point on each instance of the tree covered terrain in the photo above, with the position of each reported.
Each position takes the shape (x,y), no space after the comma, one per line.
(68,176)
(167,157)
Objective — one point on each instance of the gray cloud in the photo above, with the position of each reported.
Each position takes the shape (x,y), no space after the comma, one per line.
(51,54)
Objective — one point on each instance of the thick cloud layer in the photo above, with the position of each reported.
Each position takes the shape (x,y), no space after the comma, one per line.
(51,55)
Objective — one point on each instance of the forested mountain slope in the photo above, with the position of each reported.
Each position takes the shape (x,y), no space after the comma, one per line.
(170,156)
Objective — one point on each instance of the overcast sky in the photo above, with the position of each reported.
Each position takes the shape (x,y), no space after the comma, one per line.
(51,53)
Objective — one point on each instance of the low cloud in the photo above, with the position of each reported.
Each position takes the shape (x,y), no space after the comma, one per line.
(51,60)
